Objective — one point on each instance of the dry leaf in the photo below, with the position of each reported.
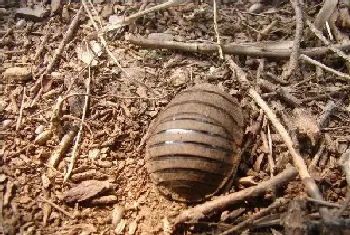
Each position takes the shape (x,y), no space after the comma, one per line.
(306,125)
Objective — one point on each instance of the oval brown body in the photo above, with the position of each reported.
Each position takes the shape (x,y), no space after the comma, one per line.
(194,144)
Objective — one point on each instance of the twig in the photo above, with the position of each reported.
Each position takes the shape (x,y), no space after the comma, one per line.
(299,162)
(344,206)
(328,109)
(293,60)
(19,120)
(220,203)
(317,156)
(323,39)
(324,203)
(327,94)
(344,76)
(130,19)
(260,69)
(325,12)
(76,143)
(245,224)
(267,152)
(96,13)
(282,92)
(266,30)
(105,44)
(241,76)
(130,97)
(218,41)
(57,207)
(269,155)
(263,49)
(67,37)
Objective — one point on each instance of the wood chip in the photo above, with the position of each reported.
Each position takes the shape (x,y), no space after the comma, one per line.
(85,191)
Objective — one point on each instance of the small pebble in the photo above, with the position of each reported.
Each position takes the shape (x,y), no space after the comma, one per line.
(39,130)
(255,8)
(7,123)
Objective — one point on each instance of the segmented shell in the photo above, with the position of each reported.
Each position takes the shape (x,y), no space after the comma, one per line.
(194,144)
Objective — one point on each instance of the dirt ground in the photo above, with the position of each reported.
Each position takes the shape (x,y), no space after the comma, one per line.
(56,72)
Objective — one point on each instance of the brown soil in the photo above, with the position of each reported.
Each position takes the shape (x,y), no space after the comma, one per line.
(121,108)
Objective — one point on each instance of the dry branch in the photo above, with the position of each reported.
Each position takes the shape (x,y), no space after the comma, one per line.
(341,75)
(325,41)
(220,203)
(293,60)
(245,224)
(299,162)
(264,49)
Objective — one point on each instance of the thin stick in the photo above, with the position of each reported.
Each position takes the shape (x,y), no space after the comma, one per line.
(57,207)
(265,49)
(220,203)
(246,223)
(271,162)
(218,41)
(67,37)
(344,76)
(324,203)
(317,156)
(132,18)
(267,152)
(299,162)
(19,120)
(266,30)
(323,39)
(105,44)
(293,60)
(76,143)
